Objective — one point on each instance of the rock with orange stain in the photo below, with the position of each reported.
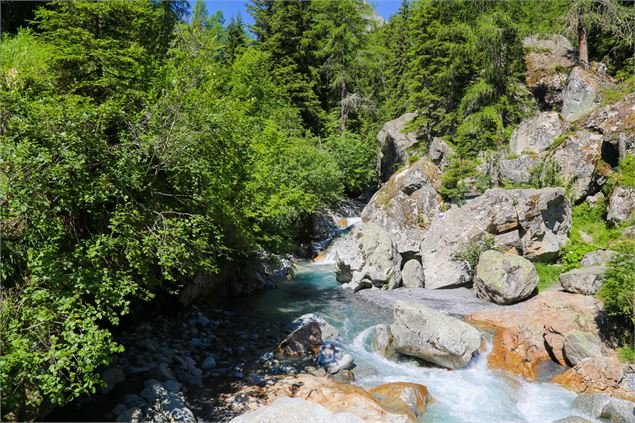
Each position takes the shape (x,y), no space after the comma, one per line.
(534,331)
(402,397)
(605,375)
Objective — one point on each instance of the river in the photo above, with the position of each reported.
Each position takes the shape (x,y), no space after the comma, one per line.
(473,394)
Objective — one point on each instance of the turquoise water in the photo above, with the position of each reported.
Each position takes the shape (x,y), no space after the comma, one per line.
(474,394)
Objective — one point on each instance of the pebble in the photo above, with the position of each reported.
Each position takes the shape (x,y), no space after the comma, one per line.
(209,363)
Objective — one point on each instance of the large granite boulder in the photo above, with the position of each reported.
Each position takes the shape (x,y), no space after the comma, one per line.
(548,60)
(368,257)
(577,159)
(532,332)
(327,330)
(504,278)
(295,410)
(304,341)
(536,134)
(430,335)
(614,119)
(583,92)
(406,205)
(605,407)
(599,257)
(538,220)
(516,170)
(584,280)
(621,205)
(393,145)
(579,345)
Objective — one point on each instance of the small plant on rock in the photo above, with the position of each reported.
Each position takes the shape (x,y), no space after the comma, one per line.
(471,251)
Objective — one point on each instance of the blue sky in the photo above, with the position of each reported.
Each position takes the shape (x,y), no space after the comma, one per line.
(230,8)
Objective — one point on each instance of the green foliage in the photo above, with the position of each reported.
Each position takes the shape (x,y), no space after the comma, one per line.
(548,274)
(453,186)
(471,251)
(356,159)
(626,354)
(618,289)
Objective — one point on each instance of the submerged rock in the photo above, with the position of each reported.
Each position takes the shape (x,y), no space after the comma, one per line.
(368,257)
(430,335)
(541,219)
(536,134)
(504,278)
(585,280)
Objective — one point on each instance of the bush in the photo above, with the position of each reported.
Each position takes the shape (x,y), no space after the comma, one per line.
(471,251)
(356,158)
(548,274)
(618,290)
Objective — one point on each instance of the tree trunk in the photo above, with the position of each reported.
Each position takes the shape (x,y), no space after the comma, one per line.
(583,50)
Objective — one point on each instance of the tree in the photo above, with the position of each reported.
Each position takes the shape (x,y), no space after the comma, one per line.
(608,15)
(236,38)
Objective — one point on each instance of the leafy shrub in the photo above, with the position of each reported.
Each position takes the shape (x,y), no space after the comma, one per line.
(413,158)
(356,158)
(470,252)
(618,290)
(548,274)
(626,354)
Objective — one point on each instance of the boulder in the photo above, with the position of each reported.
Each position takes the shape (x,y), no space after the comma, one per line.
(516,170)
(393,145)
(338,398)
(430,335)
(585,280)
(334,359)
(439,152)
(604,375)
(541,219)
(548,60)
(614,119)
(573,419)
(578,345)
(621,205)
(605,407)
(295,410)
(629,232)
(532,332)
(328,331)
(582,93)
(599,257)
(368,257)
(504,278)
(577,160)
(393,396)
(306,340)
(412,274)
(536,134)
(381,340)
(406,205)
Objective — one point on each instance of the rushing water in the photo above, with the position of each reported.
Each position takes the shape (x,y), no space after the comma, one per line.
(473,394)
